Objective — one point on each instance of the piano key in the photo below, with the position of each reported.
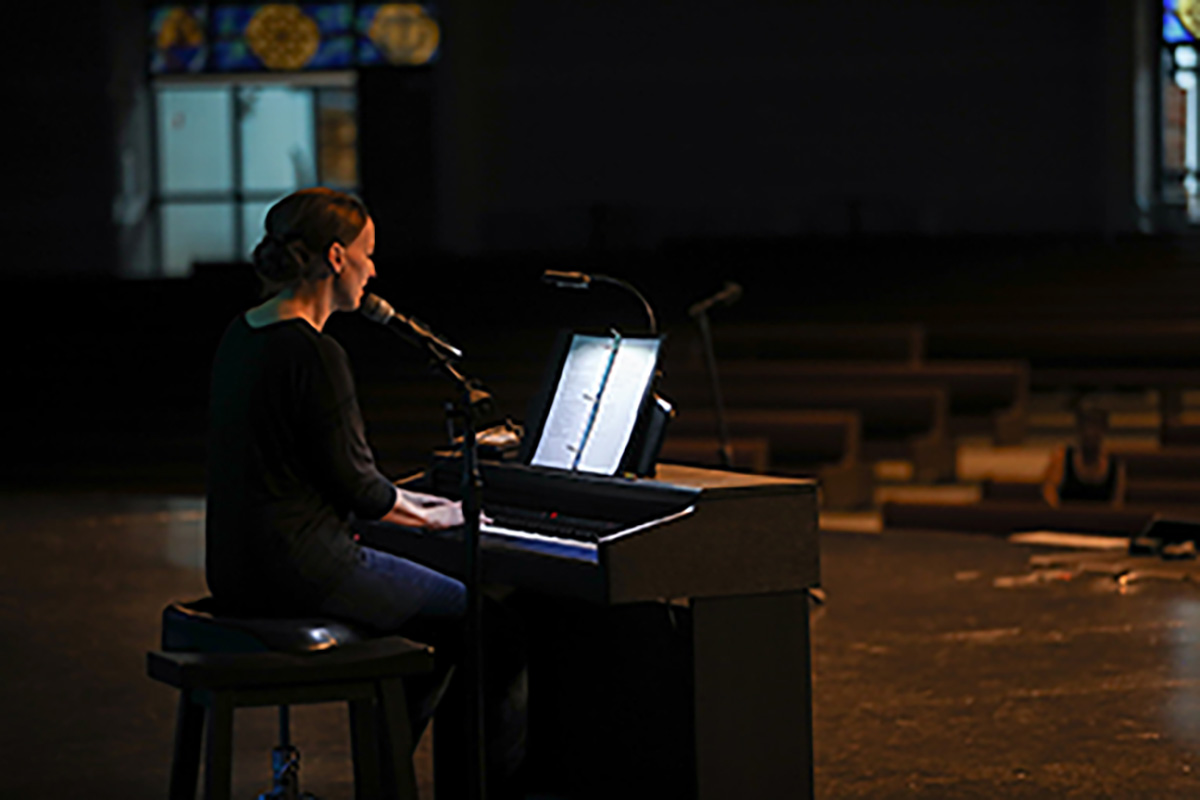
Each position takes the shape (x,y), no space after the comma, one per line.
(570,548)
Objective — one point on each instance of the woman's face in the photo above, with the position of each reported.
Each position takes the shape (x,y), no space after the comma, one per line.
(354,268)
(1091,433)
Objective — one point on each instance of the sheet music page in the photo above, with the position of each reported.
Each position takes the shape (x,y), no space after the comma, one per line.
(574,399)
(632,369)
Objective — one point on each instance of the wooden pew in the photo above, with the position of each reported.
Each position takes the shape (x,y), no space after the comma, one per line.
(1180,433)
(1087,355)
(898,422)
(1011,491)
(1166,477)
(903,410)
(802,341)
(1162,479)
(983,396)
(1160,493)
(1004,517)
(750,453)
(822,444)
(1055,343)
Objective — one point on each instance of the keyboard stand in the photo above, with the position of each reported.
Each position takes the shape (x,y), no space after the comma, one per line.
(753,702)
(742,559)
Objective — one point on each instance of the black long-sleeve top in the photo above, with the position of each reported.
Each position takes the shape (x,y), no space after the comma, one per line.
(288,462)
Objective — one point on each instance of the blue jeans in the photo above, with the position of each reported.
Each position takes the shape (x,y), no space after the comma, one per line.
(390,594)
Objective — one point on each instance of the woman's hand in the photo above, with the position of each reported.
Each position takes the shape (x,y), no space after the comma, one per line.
(441,517)
(428,511)
(419,510)
(423,500)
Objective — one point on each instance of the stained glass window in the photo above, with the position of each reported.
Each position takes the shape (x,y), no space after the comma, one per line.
(178,39)
(290,36)
(1181,20)
(1180,110)
(397,33)
(277,36)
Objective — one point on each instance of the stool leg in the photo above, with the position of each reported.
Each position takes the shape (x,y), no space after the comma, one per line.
(399,779)
(364,742)
(185,763)
(285,727)
(218,767)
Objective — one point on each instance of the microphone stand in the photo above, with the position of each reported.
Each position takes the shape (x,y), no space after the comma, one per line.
(472,396)
(724,449)
(472,504)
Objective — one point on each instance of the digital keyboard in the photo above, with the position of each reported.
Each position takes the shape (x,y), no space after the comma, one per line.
(742,549)
(545,522)
(687,532)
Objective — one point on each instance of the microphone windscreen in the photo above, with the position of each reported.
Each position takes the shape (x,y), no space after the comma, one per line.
(732,293)
(376,309)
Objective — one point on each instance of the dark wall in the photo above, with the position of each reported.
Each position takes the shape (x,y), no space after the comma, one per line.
(619,125)
(58,216)
(634,122)
(80,170)
(395,109)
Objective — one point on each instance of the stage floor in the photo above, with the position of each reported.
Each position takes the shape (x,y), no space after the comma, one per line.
(932,678)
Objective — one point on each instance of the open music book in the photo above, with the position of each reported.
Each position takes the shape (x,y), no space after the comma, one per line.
(602,385)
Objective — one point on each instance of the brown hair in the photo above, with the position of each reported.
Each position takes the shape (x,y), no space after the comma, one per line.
(299,230)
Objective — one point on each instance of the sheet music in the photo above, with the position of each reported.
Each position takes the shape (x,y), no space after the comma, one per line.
(574,401)
(596,403)
(632,369)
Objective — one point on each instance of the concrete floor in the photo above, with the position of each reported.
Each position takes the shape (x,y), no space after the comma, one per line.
(930,681)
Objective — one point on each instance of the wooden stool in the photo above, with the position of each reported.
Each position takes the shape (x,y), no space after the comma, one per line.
(221,663)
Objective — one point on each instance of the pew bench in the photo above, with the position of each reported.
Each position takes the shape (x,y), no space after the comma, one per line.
(903,343)
(751,453)
(821,444)
(1001,518)
(898,422)
(983,396)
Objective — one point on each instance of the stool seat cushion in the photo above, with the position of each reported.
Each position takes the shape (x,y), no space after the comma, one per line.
(199,627)
(373,660)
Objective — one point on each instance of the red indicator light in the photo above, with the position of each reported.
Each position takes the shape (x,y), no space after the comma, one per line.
(553,515)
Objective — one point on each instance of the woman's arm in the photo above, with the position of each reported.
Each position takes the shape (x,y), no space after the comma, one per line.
(1119,490)
(1053,477)
(337,445)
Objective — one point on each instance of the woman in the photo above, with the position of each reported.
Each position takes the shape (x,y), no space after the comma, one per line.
(289,463)
(288,459)
(1088,472)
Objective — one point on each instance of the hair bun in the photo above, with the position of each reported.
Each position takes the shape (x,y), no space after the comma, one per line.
(299,229)
(277,261)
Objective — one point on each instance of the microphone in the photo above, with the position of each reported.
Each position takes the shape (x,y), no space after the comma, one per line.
(726,297)
(376,309)
(582,280)
(567,280)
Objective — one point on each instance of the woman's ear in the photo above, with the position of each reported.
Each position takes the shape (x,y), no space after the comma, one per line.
(335,257)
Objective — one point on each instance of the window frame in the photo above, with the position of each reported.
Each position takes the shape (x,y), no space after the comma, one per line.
(238,196)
